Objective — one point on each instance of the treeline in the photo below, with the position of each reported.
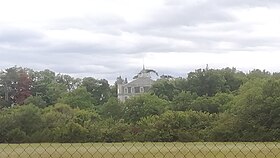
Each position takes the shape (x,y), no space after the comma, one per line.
(207,105)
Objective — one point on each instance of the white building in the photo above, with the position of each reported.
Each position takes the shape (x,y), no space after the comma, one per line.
(141,84)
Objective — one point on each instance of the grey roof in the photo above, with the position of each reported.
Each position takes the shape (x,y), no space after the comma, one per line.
(141,81)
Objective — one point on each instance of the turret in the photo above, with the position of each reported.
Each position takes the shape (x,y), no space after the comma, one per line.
(119,84)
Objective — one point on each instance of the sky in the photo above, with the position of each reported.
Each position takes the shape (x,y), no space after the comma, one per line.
(109,38)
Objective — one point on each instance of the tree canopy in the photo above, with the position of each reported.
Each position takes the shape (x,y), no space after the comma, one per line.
(205,105)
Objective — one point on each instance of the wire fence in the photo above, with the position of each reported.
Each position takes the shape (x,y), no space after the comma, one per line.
(142,150)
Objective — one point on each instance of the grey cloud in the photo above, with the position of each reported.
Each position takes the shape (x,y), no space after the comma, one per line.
(72,63)
(81,47)
(160,25)
(142,45)
(109,24)
(16,35)
(177,27)
(182,20)
(225,3)
(246,3)
(184,15)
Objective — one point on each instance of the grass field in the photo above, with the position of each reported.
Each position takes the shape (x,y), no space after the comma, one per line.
(141,150)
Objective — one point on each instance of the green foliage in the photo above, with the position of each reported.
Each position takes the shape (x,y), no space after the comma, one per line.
(109,130)
(183,101)
(4,103)
(164,89)
(234,79)
(142,106)
(27,118)
(18,124)
(223,100)
(41,81)
(73,133)
(208,105)
(257,109)
(112,108)
(15,85)
(65,124)
(54,92)
(174,126)
(85,117)
(99,89)
(35,100)
(6,124)
(258,74)
(16,135)
(205,104)
(206,82)
(78,98)
(70,82)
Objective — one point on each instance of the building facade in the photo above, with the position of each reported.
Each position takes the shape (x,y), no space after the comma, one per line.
(141,84)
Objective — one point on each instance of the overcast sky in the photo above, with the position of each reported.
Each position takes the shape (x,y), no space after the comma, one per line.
(108,38)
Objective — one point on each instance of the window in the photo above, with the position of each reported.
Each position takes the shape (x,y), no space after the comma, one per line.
(129,89)
(125,90)
(137,89)
(141,90)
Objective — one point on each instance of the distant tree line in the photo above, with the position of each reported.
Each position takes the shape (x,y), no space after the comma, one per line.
(206,105)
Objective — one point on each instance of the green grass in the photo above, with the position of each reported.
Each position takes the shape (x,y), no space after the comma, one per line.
(141,150)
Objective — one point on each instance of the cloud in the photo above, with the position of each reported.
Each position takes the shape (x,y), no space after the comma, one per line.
(19,37)
(225,3)
(184,15)
(103,23)
(105,40)
(247,3)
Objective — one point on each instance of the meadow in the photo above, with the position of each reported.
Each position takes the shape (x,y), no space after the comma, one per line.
(141,150)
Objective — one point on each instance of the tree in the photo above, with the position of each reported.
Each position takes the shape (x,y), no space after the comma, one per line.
(257,109)
(23,89)
(164,88)
(18,124)
(223,100)
(109,130)
(174,126)
(70,82)
(224,129)
(42,83)
(78,98)
(15,85)
(234,79)
(35,100)
(142,106)
(183,101)
(55,119)
(205,104)
(113,108)
(257,73)
(205,82)
(28,119)
(99,89)
(53,92)
(8,82)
